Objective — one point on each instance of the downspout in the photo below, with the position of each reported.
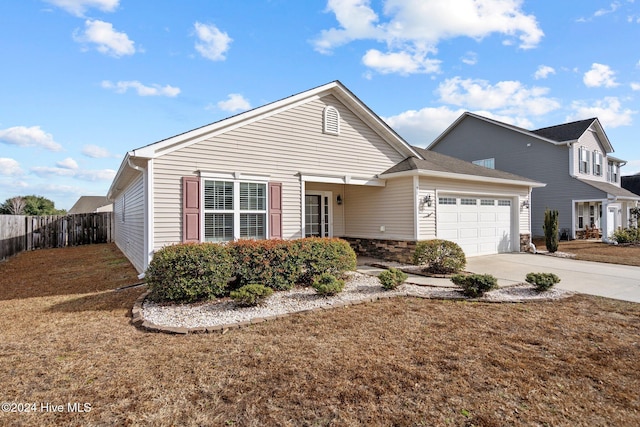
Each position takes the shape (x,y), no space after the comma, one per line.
(531,245)
(146,242)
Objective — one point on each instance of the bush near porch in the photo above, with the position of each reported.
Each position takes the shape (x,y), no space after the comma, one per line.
(194,272)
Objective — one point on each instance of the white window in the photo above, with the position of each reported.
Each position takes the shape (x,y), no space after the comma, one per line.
(446,200)
(613,170)
(468,202)
(597,163)
(580,215)
(331,121)
(234,210)
(487,163)
(583,160)
(504,202)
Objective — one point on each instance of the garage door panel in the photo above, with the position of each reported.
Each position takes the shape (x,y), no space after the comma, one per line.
(479,229)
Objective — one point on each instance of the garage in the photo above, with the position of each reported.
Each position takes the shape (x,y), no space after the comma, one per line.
(481,225)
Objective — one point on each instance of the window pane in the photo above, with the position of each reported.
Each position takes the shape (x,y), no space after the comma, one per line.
(218,227)
(218,195)
(446,200)
(504,202)
(252,226)
(468,201)
(487,202)
(253,197)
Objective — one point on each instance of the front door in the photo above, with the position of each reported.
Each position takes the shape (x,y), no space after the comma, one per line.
(317,215)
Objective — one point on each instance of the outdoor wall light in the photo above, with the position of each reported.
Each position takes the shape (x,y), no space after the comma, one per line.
(339,199)
(427,200)
(525,204)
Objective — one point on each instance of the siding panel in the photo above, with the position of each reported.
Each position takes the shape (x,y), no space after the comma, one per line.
(129,225)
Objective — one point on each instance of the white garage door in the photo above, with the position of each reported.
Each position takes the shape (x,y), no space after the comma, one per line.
(480,225)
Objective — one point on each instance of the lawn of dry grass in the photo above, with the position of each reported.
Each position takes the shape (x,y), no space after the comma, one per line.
(594,250)
(65,337)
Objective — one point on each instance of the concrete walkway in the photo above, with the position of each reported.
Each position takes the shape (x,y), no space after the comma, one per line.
(593,278)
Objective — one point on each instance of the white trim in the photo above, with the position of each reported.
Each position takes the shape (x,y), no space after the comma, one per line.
(416,207)
(459,176)
(341,179)
(234,176)
(149,215)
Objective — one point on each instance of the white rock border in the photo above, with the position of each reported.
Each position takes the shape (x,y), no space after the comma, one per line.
(222,315)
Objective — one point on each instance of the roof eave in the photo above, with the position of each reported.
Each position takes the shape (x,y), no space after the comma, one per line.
(454,175)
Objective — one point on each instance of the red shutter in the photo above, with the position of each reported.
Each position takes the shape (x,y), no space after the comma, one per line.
(275,210)
(190,209)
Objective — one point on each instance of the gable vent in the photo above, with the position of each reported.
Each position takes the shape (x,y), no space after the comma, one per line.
(331,121)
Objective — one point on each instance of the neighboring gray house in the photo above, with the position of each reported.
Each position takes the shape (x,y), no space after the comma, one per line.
(574,159)
(319,163)
(91,204)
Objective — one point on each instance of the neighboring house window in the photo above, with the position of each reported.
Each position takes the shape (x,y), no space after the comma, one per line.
(597,163)
(487,163)
(580,215)
(613,170)
(583,160)
(234,210)
(331,121)
(446,200)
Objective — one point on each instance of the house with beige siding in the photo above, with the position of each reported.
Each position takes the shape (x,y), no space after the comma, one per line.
(574,159)
(318,163)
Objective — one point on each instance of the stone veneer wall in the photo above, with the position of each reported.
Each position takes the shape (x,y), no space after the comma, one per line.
(388,250)
(525,239)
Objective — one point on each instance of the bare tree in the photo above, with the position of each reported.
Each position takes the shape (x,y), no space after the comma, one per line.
(17,205)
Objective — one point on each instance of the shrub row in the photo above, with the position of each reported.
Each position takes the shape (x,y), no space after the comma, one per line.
(627,235)
(192,272)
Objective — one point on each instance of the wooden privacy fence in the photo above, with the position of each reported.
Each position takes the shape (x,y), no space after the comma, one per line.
(22,233)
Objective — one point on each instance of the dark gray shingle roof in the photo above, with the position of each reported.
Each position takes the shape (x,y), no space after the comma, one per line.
(442,163)
(614,190)
(565,132)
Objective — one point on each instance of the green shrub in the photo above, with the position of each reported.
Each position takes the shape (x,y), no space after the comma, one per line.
(392,278)
(627,235)
(251,295)
(276,263)
(475,285)
(542,281)
(323,255)
(327,284)
(439,256)
(189,272)
(550,227)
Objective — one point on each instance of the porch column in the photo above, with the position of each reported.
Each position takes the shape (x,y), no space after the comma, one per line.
(604,220)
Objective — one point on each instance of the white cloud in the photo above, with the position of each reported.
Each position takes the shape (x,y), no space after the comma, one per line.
(142,90)
(108,41)
(470,58)
(79,7)
(85,175)
(599,75)
(421,127)
(68,163)
(96,175)
(400,62)
(9,167)
(612,8)
(635,86)
(46,171)
(506,97)
(213,43)
(416,27)
(33,136)
(234,102)
(609,110)
(96,152)
(543,72)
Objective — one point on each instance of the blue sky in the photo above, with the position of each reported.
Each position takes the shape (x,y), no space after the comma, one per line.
(84,81)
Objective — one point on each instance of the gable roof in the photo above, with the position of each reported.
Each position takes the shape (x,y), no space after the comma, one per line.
(335,88)
(557,135)
(436,164)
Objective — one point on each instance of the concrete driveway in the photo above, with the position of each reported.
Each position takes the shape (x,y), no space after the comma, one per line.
(607,280)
